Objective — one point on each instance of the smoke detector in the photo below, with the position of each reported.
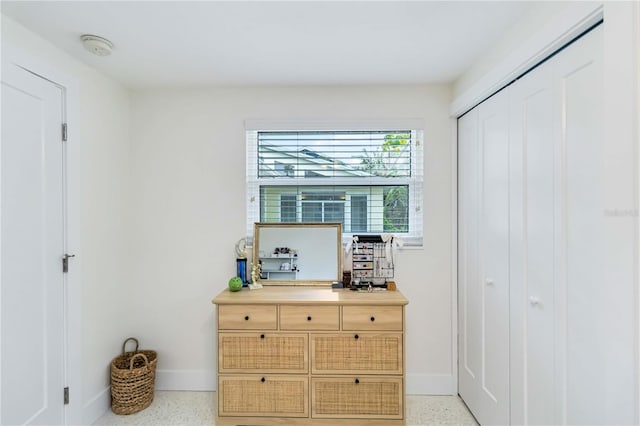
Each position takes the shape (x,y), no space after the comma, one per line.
(97,45)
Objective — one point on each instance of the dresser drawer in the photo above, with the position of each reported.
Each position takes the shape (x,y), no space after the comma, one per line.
(346,353)
(263,353)
(247,317)
(357,397)
(309,317)
(263,395)
(372,318)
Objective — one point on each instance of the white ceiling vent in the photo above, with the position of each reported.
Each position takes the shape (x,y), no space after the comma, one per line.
(97,45)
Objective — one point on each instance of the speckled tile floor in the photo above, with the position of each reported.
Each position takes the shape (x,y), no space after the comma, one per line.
(198,408)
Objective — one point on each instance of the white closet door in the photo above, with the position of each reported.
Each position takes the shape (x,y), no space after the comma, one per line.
(578,100)
(556,239)
(469,331)
(484,372)
(533,258)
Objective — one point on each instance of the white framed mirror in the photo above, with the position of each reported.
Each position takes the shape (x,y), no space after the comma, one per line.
(298,253)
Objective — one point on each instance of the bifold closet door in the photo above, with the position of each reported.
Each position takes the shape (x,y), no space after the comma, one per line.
(530,237)
(556,228)
(484,260)
(533,257)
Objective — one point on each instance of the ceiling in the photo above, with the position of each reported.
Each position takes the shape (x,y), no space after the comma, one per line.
(204,43)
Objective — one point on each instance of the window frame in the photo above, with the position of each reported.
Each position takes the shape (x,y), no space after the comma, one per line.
(415,182)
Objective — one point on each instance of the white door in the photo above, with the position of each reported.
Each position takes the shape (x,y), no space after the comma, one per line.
(32,231)
(484,283)
(469,330)
(578,98)
(557,279)
(533,258)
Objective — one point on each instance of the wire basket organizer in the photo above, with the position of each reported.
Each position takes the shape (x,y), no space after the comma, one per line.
(371,261)
(133,377)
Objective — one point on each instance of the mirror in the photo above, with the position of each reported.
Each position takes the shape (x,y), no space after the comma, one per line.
(298,253)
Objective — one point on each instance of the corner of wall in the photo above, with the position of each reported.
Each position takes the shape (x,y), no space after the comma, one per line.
(508,62)
(431,384)
(95,407)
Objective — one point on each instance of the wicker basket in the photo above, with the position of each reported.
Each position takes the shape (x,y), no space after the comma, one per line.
(133,377)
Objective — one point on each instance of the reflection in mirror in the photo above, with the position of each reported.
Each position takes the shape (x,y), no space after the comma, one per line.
(298,253)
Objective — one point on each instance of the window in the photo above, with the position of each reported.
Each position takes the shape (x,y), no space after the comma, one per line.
(287,208)
(322,206)
(368,180)
(359,205)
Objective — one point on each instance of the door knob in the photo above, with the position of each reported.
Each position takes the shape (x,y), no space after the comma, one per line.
(488,281)
(534,301)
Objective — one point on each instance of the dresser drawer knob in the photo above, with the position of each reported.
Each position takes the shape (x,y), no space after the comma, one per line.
(373,319)
(263,380)
(309,318)
(262,336)
(357,381)
(246,318)
(356,337)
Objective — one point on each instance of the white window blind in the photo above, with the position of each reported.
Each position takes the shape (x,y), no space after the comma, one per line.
(369,180)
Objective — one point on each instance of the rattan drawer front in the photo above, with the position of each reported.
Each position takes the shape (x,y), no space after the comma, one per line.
(380,318)
(301,317)
(357,397)
(268,396)
(263,352)
(345,353)
(247,317)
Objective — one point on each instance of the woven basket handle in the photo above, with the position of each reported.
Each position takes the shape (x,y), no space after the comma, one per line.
(133,358)
(125,344)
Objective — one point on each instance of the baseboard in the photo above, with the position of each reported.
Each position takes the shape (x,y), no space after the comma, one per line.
(205,380)
(96,407)
(187,380)
(430,384)
(175,380)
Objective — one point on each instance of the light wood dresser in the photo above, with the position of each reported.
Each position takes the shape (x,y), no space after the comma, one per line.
(310,356)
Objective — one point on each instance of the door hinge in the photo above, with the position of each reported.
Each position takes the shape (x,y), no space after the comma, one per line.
(65,262)
(66,396)
(64,132)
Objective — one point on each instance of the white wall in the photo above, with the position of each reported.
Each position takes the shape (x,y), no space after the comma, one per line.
(189,210)
(99,169)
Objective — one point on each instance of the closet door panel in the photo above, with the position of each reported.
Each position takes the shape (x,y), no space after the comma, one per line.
(468,262)
(556,240)
(484,260)
(494,255)
(579,100)
(532,249)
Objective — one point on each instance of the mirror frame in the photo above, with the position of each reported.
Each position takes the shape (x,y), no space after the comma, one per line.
(337,226)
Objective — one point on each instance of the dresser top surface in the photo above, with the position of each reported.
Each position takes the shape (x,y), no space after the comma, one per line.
(309,295)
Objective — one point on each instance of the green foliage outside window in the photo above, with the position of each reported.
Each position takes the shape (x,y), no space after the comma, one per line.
(390,160)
